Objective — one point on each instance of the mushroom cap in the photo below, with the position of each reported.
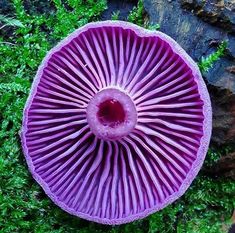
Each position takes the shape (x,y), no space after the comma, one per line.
(117,123)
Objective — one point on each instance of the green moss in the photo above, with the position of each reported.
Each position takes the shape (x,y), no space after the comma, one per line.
(137,14)
(207,62)
(115,15)
(24,207)
(153,26)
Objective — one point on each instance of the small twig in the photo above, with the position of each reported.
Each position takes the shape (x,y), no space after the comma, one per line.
(9,43)
(3,26)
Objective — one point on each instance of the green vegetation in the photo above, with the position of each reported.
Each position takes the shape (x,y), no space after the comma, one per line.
(207,62)
(153,26)
(9,22)
(115,15)
(24,41)
(137,14)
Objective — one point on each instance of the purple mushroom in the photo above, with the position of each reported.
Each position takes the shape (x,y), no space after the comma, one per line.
(117,124)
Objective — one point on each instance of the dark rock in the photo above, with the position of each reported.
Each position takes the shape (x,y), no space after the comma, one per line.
(224,167)
(6,8)
(220,13)
(221,75)
(232,229)
(223,105)
(199,26)
(231,45)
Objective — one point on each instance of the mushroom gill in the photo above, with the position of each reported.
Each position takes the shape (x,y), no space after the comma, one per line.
(117,124)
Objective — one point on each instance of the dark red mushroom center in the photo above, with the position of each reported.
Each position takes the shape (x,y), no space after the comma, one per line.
(111,113)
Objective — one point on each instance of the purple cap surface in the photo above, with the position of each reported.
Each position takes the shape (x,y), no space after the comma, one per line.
(117,124)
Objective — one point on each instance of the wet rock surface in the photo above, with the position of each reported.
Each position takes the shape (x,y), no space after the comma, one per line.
(223,105)
(199,26)
(217,12)
(224,167)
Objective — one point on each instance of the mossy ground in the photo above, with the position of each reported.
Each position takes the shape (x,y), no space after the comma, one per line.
(205,208)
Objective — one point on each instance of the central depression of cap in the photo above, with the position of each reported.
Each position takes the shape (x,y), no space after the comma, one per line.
(111,114)
(117,124)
